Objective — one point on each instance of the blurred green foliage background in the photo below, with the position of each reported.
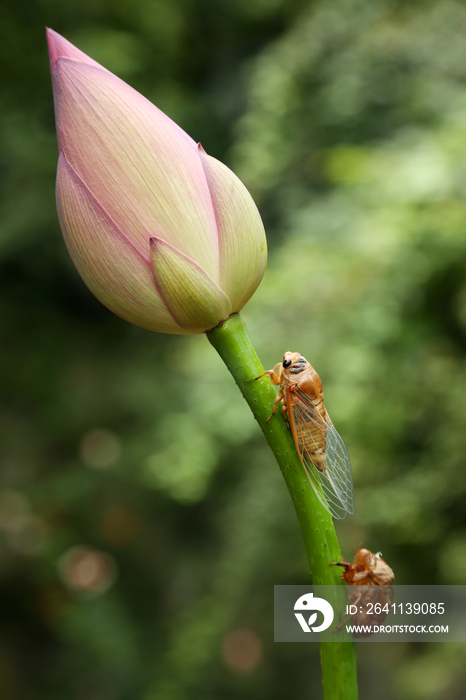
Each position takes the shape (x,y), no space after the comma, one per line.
(143,520)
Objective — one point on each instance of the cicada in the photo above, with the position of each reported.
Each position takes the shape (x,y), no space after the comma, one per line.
(367,570)
(321,450)
(371,594)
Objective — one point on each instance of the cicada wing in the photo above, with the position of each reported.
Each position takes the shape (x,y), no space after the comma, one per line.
(339,466)
(324,457)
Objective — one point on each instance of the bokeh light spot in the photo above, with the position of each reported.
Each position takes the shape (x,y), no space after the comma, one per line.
(100,448)
(241,650)
(87,570)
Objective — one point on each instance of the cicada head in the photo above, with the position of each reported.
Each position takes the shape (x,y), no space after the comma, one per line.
(298,371)
(364,559)
(294,363)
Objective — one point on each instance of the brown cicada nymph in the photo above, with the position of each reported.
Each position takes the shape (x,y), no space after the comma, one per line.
(369,605)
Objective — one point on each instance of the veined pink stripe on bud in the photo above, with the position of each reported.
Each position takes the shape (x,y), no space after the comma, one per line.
(164,235)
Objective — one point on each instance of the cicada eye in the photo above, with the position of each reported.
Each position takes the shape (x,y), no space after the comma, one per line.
(286,363)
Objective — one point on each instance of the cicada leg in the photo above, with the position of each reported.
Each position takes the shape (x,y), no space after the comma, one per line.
(347,616)
(277,399)
(340,563)
(275,377)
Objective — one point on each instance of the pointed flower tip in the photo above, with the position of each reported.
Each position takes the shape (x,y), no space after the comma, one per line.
(176,255)
(52,45)
(59,47)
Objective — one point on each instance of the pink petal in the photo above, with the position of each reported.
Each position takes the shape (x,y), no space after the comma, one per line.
(143,169)
(241,235)
(115,272)
(193,298)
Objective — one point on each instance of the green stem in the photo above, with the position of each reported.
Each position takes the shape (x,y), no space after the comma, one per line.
(232,342)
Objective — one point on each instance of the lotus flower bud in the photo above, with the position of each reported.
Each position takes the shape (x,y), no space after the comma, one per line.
(164,235)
